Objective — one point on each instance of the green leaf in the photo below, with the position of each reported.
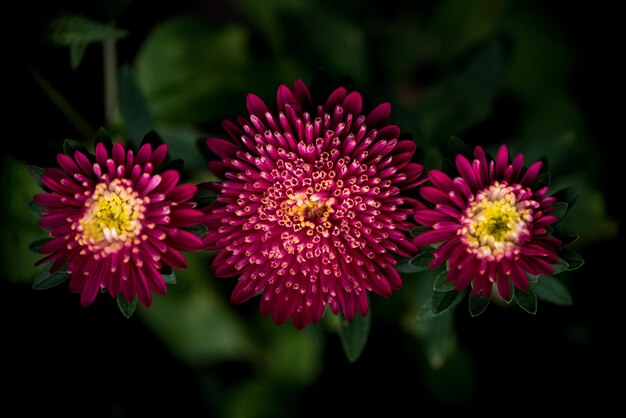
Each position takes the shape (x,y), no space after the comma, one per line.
(35,208)
(568,195)
(542,180)
(477,304)
(442,301)
(442,284)
(354,335)
(77,52)
(134,107)
(566,234)
(201,76)
(423,259)
(69,29)
(561,267)
(36,173)
(552,290)
(70,146)
(36,246)
(419,230)
(46,280)
(560,210)
(572,258)
(199,230)
(526,300)
(103,137)
(464,99)
(126,308)
(169,278)
(204,197)
(183,144)
(77,32)
(17,223)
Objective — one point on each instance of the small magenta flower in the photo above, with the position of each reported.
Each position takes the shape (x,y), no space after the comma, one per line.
(491,223)
(115,222)
(311,206)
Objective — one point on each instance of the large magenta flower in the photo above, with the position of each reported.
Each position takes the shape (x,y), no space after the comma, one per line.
(491,222)
(310,210)
(114,223)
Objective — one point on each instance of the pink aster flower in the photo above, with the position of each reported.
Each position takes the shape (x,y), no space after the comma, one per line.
(491,223)
(115,223)
(311,206)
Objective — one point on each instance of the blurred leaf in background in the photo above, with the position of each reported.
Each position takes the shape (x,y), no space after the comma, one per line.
(78,32)
(18,223)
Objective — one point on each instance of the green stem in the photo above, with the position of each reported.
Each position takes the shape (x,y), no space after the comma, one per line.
(111,90)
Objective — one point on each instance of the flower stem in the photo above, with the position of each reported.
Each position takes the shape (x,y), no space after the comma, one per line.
(111,90)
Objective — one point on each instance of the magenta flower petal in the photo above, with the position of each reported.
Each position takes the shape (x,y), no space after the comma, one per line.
(310,210)
(499,233)
(115,224)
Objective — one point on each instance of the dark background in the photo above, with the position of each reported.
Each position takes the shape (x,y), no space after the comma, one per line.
(550,89)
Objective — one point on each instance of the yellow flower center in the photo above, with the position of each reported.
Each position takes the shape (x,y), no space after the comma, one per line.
(113,218)
(308,211)
(494,222)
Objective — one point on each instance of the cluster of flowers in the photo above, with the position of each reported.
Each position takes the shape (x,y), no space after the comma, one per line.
(312,209)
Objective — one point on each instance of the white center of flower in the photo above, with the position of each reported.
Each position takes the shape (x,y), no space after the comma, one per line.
(494,222)
(112,219)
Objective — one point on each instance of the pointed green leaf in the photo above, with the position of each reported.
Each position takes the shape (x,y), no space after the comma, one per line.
(77,32)
(542,180)
(204,197)
(199,230)
(552,290)
(423,259)
(36,246)
(419,230)
(169,278)
(68,29)
(442,301)
(103,137)
(354,335)
(561,267)
(46,280)
(531,278)
(176,165)
(477,304)
(36,173)
(560,210)
(77,51)
(572,258)
(126,308)
(70,146)
(526,300)
(134,107)
(566,234)
(568,195)
(442,284)
(35,208)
